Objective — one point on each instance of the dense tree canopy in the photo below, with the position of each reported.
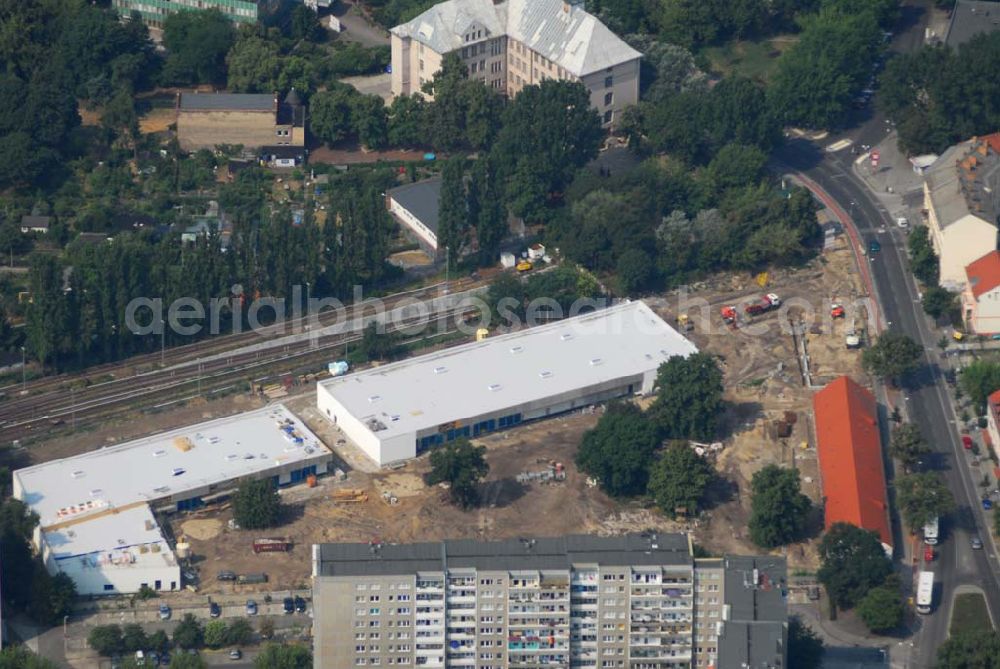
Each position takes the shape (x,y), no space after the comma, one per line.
(462,466)
(256,504)
(805,648)
(970,649)
(679,480)
(893,355)
(979,379)
(688,402)
(853,562)
(908,445)
(284,656)
(881,609)
(20,657)
(921,497)
(197,43)
(619,450)
(779,511)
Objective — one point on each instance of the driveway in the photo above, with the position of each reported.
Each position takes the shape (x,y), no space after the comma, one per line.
(357,27)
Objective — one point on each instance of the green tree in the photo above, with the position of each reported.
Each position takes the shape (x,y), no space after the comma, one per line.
(852,562)
(921,497)
(939,302)
(805,648)
(256,504)
(158,641)
(378,344)
(253,64)
(462,466)
(197,43)
(52,597)
(305,24)
(893,355)
(817,78)
(17,561)
(881,609)
(446,115)
(491,218)
(239,632)
(908,445)
(20,657)
(215,633)
(618,450)
(370,120)
(779,511)
(923,260)
(969,649)
(979,379)
(106,640)
(679,479)
(406,121)
(635,270)
(548,132)
(688,401)
(453,214)
(330,113)
(284,656)
(134,638)
(736,165)
(189,632)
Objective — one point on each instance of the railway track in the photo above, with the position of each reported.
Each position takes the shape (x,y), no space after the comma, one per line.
(93,403)
(190,354)
(145,370)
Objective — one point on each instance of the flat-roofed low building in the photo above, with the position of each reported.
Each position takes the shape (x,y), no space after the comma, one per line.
(250,120)
(570,601)
(397,411)
(415,206)
(96,510)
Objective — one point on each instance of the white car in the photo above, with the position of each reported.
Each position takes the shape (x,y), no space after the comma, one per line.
(902,222)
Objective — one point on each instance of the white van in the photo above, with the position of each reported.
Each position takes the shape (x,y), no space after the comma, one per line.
(931,532)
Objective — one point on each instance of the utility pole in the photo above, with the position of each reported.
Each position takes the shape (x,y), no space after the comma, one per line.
(24,373)
(163,341)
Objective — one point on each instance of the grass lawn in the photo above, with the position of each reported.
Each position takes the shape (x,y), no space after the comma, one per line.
(970,614)
(754,60)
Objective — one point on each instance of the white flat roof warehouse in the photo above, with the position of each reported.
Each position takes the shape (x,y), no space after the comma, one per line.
(166,465)
(521,368)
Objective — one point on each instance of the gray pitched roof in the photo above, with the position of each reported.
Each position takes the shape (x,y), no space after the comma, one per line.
(555,553)
(36,222)
(966,180)
(422,199)
(227,101)
(563,32)
(970,18)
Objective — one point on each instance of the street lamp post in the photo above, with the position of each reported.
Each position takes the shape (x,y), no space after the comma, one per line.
(24,372)
(163,341)
(447,267)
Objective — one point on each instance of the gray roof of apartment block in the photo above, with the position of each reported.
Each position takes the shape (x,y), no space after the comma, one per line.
(422,199)
(970,18)
(547,553)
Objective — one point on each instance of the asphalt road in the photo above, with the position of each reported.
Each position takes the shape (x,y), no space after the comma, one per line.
(927,401)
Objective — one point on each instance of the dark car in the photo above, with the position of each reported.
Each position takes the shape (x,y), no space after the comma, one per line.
(987,503)
(300,605)
(214,610)
(288,605)
(874,246)
(165,660)
(226,576)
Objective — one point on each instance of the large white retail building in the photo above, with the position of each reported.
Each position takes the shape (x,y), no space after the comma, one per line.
(397,411)
(96,510)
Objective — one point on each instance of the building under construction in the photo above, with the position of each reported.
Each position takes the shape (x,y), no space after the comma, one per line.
(96,510)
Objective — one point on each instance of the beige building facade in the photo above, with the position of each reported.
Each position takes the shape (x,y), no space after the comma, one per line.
(636,601)
(962,201)
(206,120)
(516,43)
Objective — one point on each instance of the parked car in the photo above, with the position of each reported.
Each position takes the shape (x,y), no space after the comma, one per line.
(164,612)
(214,610)
(288,605)
(987,503)
(300,605)
(977,543)
(874,246)
(226,576)
(251,607)
(813,593)
(165,660)
(967,442)
(235,654)
(929,554)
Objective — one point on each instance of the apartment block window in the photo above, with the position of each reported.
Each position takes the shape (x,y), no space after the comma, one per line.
(360,612)
(359,649)
(373,598)
(465,52)
(608,98)
(609,82)
(608,116)
(374,611)
(420,65)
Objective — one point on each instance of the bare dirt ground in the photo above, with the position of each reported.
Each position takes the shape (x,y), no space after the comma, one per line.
(349,153)
(157,120)
(764,379)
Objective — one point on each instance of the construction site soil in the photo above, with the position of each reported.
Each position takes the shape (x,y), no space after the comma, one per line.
(769,385)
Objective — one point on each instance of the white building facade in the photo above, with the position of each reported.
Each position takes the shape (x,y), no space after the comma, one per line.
(397,411)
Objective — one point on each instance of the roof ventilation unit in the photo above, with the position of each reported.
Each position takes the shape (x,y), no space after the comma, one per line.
(545,374)
(78,474)
(594,362)
(440,370)
(516,349)
(494,387)
(373,398)
(566,336)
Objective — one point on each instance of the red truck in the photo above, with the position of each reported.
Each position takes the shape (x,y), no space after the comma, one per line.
(763,304)
(271,545)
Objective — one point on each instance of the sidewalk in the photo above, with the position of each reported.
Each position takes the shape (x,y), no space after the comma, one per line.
(893,183)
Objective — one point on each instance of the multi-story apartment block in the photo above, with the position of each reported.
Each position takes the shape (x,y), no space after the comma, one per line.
(155,12)
(630,602)
(511,44)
